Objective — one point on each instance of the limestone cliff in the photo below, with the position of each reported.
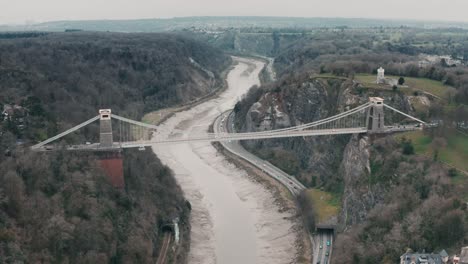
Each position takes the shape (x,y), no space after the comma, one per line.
(355,168)
(302,100)
(291,105)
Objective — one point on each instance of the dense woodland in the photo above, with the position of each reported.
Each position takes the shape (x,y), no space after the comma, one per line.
(60,207)
(416,206)
(63,78)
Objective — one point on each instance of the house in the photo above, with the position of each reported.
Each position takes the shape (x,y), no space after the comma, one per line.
(428,60)
(444,256)
(421,258)
(7,112)
(14,112)
(464,255)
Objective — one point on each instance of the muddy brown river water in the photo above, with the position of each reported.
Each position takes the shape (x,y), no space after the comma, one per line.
(234,219)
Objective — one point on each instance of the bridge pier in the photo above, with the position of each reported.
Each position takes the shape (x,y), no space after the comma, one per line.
(375,115)
(105,134)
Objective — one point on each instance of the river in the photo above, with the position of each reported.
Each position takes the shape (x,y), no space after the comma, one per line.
(234,219)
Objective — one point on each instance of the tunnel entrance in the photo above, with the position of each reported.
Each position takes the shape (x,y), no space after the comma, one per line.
(167,228)
(326,229)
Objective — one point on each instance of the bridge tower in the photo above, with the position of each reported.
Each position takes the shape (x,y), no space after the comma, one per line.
(105,136)
(375,115)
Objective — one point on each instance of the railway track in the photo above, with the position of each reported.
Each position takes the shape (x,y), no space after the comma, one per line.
(164,249)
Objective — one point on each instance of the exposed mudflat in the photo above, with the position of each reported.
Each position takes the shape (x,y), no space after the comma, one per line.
(234,219)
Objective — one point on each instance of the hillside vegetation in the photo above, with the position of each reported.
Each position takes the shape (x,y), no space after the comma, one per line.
(65,78)
(60,207)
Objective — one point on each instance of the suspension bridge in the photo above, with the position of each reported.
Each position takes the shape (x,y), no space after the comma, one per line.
(366,118)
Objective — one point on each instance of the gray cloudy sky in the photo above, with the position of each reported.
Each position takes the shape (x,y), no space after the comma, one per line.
(20,11)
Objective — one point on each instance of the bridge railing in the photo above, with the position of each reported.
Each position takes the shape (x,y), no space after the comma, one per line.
(71,130)
(309,125)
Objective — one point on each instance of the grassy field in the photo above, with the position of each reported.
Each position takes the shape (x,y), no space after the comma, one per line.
(326,205)
(414,84)
(328,76)
(455,153)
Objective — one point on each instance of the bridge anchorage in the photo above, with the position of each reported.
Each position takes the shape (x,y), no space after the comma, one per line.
(366,118)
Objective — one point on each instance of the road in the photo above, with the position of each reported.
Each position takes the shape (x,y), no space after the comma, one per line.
(321,247)
(225,124)
(164,248)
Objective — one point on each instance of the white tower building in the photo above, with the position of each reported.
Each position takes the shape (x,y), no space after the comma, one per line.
(381,75)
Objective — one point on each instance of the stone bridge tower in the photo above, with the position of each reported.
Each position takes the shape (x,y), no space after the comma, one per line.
(375,116)
(105,136)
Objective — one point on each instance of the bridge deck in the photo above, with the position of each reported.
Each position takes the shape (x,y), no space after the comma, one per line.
(140,135)
(231,136)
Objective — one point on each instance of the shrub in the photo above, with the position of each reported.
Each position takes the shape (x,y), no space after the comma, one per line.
(401,81)
(452,172)
(305,204)
(407,147)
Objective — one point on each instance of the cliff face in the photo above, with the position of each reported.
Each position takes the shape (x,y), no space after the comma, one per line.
(290,105)
(358,197)
(316,161)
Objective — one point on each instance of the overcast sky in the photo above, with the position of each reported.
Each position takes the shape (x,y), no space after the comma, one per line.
(21,11)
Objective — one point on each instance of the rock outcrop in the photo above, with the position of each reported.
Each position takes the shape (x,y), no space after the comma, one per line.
(355,169)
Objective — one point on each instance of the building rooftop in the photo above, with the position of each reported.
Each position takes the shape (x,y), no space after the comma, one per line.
(421,258)
(464,255)
(443,253)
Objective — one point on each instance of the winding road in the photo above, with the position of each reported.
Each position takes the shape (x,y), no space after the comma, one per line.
(224,123)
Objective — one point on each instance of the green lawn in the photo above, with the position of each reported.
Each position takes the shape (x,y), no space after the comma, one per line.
(455,153)
(326,205)
(414,84)
(328,76)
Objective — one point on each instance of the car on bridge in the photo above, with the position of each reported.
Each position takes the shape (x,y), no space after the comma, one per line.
(328,242)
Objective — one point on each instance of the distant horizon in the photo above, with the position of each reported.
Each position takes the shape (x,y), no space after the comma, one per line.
(26,23)
(21,12)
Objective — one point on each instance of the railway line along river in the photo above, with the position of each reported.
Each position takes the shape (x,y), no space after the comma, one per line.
(234,219)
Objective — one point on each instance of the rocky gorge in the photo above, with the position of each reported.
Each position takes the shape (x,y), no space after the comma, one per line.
(368,173)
